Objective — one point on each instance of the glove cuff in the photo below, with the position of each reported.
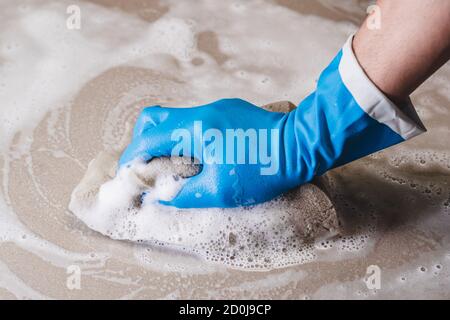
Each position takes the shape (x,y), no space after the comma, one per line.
(405,121)
(345,119)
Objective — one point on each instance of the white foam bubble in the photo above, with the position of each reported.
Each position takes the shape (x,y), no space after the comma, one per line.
(266,236)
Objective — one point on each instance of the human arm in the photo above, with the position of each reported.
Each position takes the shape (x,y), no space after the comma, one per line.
(360,106)
(411,43)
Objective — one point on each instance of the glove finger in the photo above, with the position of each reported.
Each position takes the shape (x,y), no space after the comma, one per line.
(158,131)
(135,150)
(194,193)
(169,138)
(150,117)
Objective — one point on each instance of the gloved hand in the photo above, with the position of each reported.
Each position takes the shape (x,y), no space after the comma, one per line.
(346,118)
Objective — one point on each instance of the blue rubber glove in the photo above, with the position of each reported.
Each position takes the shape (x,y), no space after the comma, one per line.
(346,118)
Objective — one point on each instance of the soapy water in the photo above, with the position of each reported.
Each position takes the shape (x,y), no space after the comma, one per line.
(68,95)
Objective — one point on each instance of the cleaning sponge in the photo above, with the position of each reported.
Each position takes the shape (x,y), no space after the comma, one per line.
(270,235)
